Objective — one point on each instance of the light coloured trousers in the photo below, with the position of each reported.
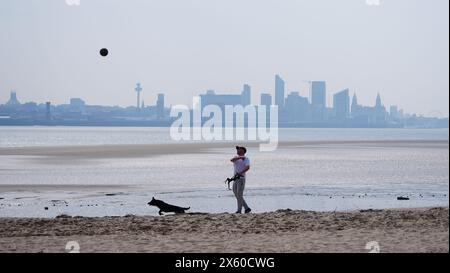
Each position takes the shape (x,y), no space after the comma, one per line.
(238,189)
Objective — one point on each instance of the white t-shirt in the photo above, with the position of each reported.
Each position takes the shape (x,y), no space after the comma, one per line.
(239,165)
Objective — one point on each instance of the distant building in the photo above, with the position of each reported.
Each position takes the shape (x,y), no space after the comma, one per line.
(138,90)
(48,114)
(160,106)
(279,91)
(318,93)
(393,112)
(13,101)
(356,109)
(266,100)
(318,98)
(297,107)
(211,98)
(361,115)
(368,116)
(246,95)
(378,103)
(77,103)
(341,105)
(29,108)
(380,113)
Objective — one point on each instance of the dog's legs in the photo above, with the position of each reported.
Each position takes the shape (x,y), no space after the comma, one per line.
(160,212)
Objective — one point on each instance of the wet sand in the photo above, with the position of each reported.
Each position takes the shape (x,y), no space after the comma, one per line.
(38,188)
(141,150)
(396,230)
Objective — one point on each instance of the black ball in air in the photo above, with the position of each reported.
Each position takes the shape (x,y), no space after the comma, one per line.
(104,52)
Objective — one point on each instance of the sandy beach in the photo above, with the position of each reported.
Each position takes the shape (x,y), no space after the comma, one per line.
(331,211)
(401,230)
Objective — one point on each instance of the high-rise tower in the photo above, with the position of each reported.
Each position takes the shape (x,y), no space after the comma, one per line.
(13,99)
(279,91)
(138,90)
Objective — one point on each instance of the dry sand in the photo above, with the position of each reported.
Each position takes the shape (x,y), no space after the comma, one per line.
(402,230)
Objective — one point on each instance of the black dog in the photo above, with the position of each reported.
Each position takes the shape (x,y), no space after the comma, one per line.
(234,178)
(164,207)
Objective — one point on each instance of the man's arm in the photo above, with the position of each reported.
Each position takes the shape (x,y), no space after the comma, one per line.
(244,170)
(236,158)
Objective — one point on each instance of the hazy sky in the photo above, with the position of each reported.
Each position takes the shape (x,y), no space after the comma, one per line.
(50,51)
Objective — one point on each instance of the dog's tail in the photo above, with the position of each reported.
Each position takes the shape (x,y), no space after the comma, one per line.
(186,208)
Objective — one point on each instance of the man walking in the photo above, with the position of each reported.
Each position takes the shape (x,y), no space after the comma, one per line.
(241,166)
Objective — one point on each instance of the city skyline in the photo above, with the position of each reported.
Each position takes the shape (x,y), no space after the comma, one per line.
(398,49)
(310,87)
(294,110)
(317,96)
